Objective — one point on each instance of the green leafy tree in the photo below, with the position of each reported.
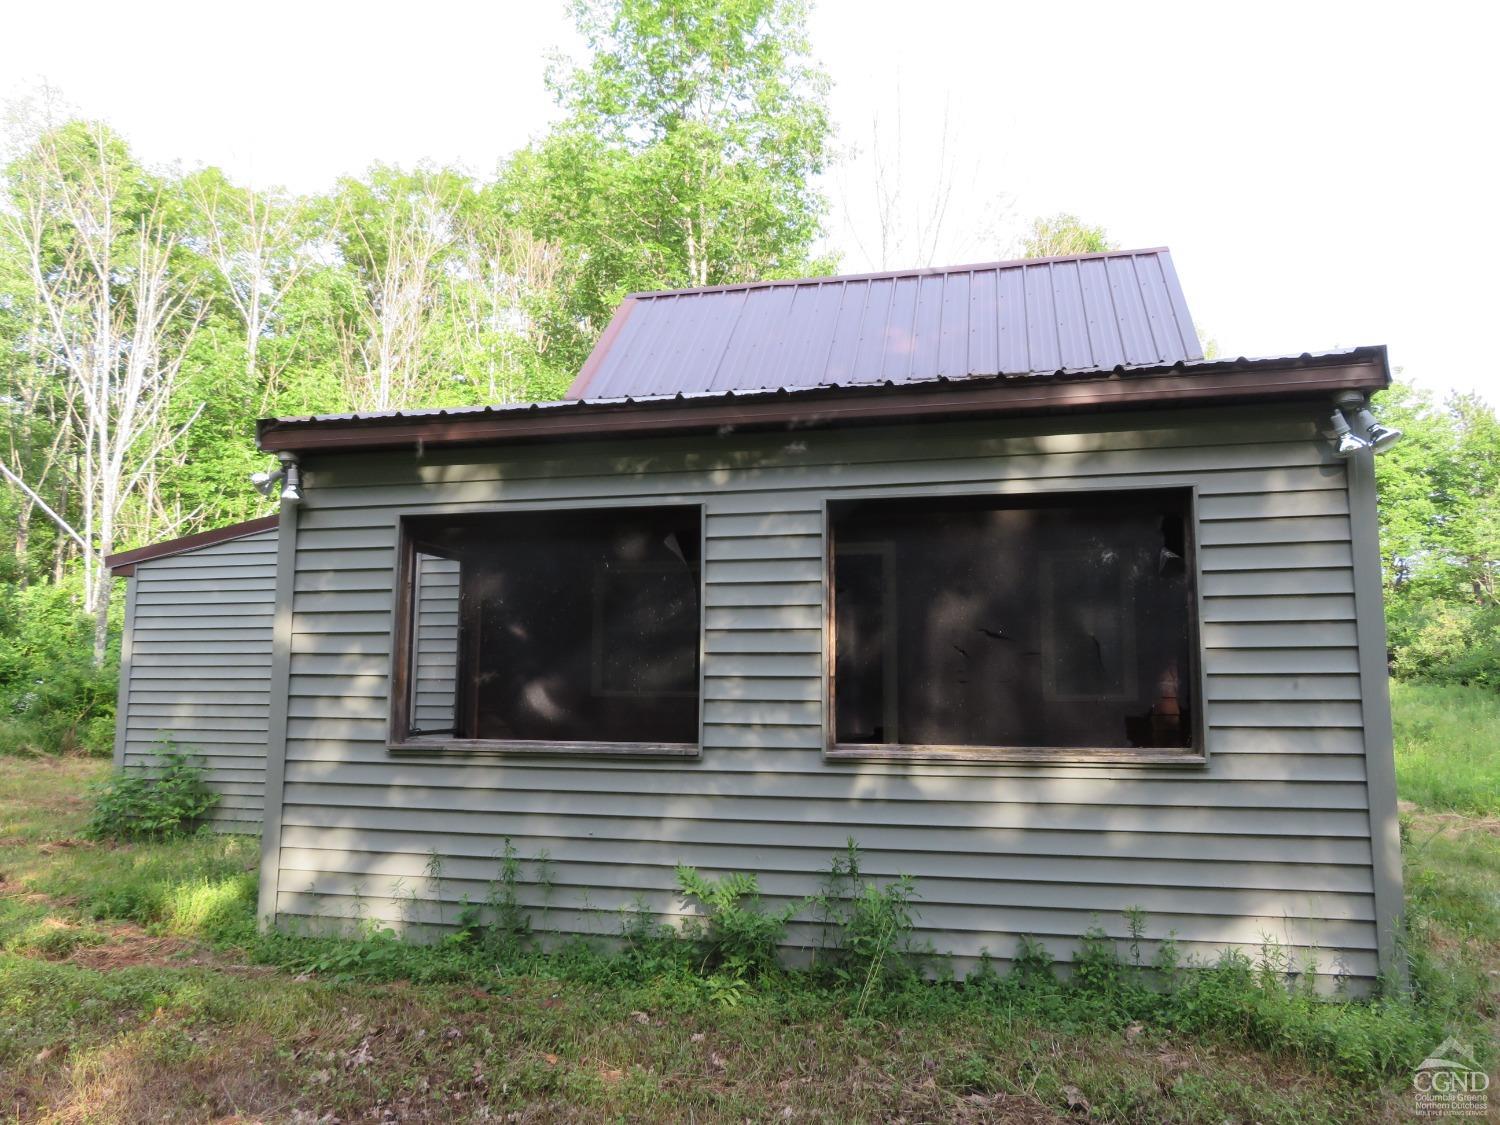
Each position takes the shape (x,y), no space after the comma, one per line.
(100,243)
(687,154)
(1440,535)
(1055,236)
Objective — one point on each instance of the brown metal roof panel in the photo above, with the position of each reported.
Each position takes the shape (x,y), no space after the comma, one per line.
(844,340)
(1041,321)
(1161,317)
(722,326)
(1012,348)
(898,333)
(869,353)
(1036,317)
(927,330)
(1074,350)
(1099,313)
(756,327)
(953,344)
(810,327)
(651,330)
(1130,314)
(984,324)
(1175,297)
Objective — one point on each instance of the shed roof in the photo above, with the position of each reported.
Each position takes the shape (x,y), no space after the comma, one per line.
(1085,312)
(122,564)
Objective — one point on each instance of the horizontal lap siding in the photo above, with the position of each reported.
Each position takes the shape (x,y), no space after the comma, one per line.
(1271,838)
(435,653)
(200,667)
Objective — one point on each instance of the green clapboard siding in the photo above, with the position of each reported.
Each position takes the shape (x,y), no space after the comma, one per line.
(199,668)
(1272,836)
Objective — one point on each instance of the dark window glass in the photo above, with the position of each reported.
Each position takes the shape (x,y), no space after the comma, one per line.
(563,626)
(1064,621)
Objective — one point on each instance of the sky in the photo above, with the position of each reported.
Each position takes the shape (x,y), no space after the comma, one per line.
(1324,173)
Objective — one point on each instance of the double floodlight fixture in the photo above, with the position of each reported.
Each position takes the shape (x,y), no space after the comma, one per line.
(1355,428)
(290,476)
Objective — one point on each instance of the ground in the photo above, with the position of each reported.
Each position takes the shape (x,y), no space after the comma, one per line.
(130,991)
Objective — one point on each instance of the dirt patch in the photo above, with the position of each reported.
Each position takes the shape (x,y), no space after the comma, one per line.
(127,946)
(1426,822)
(20,893)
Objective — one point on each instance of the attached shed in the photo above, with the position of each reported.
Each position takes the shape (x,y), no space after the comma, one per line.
(195,659)
(987,568)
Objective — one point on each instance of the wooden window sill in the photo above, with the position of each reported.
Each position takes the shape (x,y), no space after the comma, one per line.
(445,744)
(1036,755)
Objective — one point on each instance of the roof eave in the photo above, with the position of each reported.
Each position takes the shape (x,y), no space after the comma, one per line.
(123,563)
(1229,383)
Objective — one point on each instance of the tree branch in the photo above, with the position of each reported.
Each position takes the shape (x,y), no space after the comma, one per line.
(61,523)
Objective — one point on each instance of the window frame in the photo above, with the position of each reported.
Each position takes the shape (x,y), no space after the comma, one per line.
(399,740)
(853,752)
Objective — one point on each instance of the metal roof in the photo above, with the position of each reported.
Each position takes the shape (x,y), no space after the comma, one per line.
(1088,312)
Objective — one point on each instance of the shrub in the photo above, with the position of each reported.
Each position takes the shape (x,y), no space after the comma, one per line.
(141,801)
(1448,642)
(736,936)
(52,698)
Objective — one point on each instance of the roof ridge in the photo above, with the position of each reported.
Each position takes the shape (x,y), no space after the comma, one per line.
(881,275)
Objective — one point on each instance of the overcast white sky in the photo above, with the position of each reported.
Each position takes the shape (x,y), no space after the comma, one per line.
(1324,173)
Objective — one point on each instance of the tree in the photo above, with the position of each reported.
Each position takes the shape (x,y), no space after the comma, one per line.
(256,243)
(1440,498)
(502,306)
(908,220)
(687,154)
(1439,491)
(98,241)
(394,234)
(34,403)
(1060,235)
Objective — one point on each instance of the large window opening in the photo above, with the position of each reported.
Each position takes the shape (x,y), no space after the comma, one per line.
(576,628)
(1036,624)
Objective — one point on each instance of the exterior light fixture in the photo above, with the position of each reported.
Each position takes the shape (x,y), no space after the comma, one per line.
(291,487)
(1355,423)
(1356,411)
(290,476)
(1346,444)
(1362,422)
(263,481)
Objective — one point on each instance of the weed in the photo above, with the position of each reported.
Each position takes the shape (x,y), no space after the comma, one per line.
(736,936)
(867,928)
(142,801)
(500,927)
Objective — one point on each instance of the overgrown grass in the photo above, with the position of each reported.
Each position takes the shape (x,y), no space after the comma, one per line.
(201,885)
(1448,746)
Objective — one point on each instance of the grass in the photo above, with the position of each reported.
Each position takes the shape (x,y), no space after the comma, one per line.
(132,987)
(1448,746)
